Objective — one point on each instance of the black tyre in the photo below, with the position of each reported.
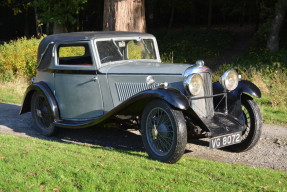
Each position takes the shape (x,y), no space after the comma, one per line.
(253,123)
(42,114)
(163,132)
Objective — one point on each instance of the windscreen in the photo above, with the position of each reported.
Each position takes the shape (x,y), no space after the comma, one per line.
(118,50)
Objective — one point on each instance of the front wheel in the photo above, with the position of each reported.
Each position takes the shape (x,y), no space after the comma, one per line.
(42,114)
(163,132)
(253,123)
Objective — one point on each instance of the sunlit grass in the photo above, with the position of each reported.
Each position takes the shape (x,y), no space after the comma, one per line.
(38,165)
(13,92)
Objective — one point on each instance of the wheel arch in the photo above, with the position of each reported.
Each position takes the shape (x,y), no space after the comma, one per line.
(44,88)
(244,87)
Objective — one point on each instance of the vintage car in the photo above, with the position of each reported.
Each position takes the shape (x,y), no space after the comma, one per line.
(86,79)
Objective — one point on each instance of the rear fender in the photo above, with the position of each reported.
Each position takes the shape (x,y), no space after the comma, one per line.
(42,87)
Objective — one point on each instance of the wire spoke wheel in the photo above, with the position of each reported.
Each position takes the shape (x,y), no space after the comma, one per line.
(163,132)
(247,119)
(253,123)
(42,114)
(160,131)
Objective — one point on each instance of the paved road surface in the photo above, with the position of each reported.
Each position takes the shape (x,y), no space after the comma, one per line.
(270,152)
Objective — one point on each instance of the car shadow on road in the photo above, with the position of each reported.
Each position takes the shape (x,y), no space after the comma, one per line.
(119,139)
(13,123)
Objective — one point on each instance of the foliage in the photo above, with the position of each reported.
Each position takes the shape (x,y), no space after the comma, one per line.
(72,51)
(38,165)
(269,72)
(18,58)
(62,12)
(59,12)
(189,45)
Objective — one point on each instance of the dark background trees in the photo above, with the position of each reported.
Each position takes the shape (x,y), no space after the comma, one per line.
(33,17)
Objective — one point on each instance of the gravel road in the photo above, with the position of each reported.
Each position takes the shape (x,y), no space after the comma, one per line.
(270,152)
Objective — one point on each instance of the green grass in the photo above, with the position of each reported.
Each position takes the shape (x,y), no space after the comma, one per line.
(38,165)
(12,92)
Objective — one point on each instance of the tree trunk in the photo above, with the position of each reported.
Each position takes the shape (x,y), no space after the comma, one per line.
(59,28)
(124,15)
(171,15)
(273,39)
(37,24)
(209,14)
(26,31)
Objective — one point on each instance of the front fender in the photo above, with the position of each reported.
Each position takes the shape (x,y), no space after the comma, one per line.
(135,105)
(42,87)
(234,97)
(244,86)
(172,96)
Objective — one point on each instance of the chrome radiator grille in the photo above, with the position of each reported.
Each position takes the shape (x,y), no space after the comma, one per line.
(126,89)
(204,106)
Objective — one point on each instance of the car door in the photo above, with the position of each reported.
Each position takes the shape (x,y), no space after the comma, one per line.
(77,89)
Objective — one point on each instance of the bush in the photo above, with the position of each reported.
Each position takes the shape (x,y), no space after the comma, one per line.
(190,45)
(269,72)
(18,58)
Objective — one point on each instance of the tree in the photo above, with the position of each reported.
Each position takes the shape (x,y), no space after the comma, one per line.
(124,15)
(62,14)
(273,39)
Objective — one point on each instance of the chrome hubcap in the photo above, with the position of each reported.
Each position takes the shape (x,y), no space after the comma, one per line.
(154,132)
(39,113)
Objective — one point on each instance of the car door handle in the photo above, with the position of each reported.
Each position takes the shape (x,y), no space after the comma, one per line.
(94,79)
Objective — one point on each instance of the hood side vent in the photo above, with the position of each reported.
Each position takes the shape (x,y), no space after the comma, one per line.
(126,89)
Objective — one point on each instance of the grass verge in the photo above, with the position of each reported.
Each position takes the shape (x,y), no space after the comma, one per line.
(38,165)
(12,92)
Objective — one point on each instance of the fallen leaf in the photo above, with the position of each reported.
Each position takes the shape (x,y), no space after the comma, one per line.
(1,157)
(263,187)
(56,189)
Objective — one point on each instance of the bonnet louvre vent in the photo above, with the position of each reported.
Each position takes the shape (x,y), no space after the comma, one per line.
(126,89)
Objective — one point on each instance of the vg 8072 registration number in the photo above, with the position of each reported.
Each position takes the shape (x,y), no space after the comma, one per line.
(225,140)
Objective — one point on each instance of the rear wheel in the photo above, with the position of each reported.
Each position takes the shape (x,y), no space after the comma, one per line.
(42,114)
(163,132)
(253,123)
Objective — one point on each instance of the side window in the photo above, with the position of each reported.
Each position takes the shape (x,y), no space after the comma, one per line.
(74,54)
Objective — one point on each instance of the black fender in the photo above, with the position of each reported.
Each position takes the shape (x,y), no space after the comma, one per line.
(44,88)
(234,97)
(244,86)
(172,96)
(135,105)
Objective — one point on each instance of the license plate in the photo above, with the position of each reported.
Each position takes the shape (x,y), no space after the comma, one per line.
(225,140)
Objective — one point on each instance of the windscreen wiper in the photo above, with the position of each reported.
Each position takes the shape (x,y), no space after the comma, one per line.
(118,49)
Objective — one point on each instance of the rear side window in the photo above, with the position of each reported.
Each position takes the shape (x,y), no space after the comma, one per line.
(74,54)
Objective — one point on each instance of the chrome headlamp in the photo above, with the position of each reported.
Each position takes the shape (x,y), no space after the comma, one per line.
(194,84)
(229,80)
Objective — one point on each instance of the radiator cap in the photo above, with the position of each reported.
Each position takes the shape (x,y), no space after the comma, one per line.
(199,63)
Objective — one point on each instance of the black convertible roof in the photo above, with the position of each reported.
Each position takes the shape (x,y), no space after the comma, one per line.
(82,36)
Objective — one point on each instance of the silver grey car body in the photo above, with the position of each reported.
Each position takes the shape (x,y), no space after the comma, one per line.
(118,77)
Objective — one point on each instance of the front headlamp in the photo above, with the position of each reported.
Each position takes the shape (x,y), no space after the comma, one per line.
(230,79)
(194,84)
